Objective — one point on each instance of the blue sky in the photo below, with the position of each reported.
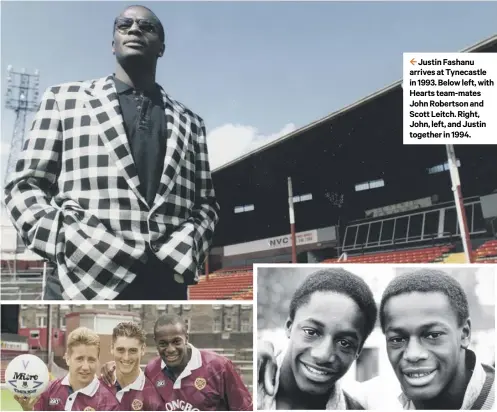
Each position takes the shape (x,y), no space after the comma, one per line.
(252,70)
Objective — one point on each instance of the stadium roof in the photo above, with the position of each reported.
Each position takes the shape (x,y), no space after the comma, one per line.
(334,162)
(487,42)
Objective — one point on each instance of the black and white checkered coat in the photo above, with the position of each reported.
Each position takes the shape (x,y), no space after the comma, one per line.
(74,196)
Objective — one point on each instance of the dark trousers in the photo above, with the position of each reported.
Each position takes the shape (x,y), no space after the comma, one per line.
(53,288)
(154,281)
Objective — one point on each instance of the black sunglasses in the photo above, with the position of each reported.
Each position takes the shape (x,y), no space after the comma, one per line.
(123,24)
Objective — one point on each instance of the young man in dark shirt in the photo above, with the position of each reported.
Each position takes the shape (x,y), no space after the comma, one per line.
(113,184)
(331,315)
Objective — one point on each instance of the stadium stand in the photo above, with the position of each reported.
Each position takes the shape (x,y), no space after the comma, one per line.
(487,253)
(426,255)
(237,285)
(358,192)
(22,279)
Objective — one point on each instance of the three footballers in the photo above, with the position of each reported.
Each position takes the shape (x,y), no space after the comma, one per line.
(182,377)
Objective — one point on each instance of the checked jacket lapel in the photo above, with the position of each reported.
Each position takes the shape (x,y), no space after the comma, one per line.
(104,108)
(178,127)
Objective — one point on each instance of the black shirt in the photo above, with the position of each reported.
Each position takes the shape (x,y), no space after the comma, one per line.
(145,124)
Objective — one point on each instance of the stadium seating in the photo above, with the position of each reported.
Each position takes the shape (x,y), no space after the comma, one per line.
(245,295)
(486,253)
(21,265)
(225,284)
(21,290)
(22,278)
(236,269)
(425,255)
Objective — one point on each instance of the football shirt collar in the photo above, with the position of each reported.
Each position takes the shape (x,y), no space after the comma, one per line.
(88,390)
(138,384)
(195,362)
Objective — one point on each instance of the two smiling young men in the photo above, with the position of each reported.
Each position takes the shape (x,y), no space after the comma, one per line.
(182,377)
(425,318)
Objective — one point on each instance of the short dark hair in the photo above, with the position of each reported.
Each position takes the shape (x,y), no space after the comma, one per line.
(425,281)
(340,281)
(128,330)
(170,319)
(161,33)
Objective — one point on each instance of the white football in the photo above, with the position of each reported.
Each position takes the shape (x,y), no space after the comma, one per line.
(27,375)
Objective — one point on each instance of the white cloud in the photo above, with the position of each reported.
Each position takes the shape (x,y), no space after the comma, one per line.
(230,141)
(226,143)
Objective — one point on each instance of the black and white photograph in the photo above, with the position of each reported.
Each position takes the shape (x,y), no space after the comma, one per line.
(375,337)
(126,357)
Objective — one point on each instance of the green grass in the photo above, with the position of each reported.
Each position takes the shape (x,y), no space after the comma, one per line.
(7,401)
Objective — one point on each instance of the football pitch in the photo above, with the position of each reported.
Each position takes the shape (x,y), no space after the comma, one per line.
(7,401)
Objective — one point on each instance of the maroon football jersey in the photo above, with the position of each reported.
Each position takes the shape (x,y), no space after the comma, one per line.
(208,383)
(141,395)
(60,397)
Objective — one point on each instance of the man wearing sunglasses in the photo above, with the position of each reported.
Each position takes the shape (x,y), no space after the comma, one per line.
(114,183)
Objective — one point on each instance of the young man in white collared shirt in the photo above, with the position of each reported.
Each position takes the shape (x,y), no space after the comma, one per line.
(80,389)
(191,379)
(131,388)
